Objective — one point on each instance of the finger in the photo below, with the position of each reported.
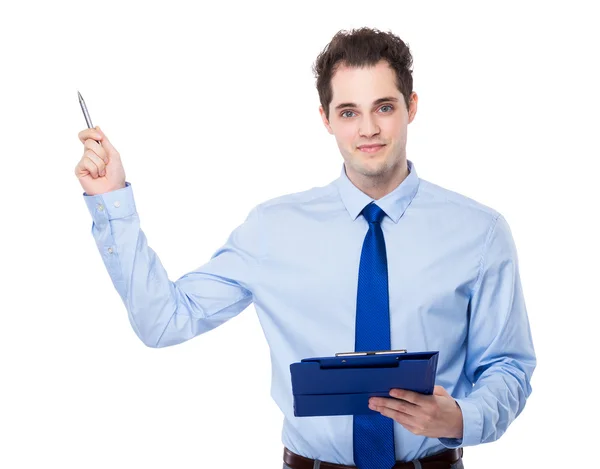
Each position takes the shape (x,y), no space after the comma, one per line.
(410,396)
(402,418)
(409,422)
(90,166)
(97,149)
(413,428)
(97,161)
(89,133)
(398,405)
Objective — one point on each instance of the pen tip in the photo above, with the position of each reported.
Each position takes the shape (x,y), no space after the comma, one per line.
(79,94)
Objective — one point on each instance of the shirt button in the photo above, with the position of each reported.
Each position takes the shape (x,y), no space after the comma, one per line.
(117,204)
(100,207)
(110,250)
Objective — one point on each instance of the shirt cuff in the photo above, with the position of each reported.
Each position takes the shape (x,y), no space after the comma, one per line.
(472,426)
(110,205)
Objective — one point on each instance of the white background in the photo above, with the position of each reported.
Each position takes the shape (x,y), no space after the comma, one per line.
(214,109)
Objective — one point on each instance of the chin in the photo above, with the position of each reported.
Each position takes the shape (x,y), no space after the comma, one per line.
(371,169)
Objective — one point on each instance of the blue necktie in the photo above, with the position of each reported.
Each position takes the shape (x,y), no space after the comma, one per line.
(373,438)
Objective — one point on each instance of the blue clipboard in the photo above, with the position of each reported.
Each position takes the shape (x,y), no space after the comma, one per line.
(343,384)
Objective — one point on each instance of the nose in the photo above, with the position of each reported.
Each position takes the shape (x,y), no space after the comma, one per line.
(368,127)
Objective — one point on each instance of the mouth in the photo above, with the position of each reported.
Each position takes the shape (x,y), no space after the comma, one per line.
(370,148)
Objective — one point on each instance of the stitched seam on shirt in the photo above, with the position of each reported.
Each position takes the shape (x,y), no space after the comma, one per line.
(277,201)
(467,203)
(483,252)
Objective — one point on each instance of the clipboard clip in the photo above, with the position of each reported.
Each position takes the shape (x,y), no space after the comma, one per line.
(374,352)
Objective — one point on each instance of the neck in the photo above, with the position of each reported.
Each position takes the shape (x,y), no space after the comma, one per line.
(379,186)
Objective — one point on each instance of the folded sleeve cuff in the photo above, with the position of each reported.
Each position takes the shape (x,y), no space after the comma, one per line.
(472,426)
(111,205)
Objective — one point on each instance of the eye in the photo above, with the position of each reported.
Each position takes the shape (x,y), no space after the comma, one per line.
(343,113)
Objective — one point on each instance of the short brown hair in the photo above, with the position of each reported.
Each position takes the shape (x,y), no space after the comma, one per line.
(359,48)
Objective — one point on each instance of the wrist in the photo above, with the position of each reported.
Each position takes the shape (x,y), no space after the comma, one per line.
(457,426)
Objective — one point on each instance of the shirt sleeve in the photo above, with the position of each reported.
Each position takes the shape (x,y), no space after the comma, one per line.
(162,312)
(500,354)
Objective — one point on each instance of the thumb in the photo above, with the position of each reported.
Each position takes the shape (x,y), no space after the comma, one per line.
(106,142)
(440,391)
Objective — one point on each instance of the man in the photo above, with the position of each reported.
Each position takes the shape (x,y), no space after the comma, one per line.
(442,271)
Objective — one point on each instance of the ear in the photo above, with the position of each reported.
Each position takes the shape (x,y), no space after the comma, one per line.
(325,121)
(412,106)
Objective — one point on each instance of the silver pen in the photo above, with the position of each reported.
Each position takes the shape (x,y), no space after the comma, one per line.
(86,114)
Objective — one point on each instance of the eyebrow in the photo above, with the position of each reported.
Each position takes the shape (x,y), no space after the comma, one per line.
(375,103)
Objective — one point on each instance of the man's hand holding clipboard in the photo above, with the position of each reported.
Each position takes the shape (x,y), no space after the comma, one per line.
(435,416)
(395,383)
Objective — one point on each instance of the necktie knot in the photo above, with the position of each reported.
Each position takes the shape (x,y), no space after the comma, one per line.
(373,213)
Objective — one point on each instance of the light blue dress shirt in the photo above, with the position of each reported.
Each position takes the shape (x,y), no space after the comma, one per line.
(454,287)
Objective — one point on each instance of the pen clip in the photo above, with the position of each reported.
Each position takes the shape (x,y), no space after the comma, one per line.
(373,352)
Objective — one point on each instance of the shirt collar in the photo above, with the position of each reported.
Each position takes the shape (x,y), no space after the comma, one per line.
(393,204)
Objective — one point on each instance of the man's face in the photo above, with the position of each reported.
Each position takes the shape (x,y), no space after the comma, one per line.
(359,115)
